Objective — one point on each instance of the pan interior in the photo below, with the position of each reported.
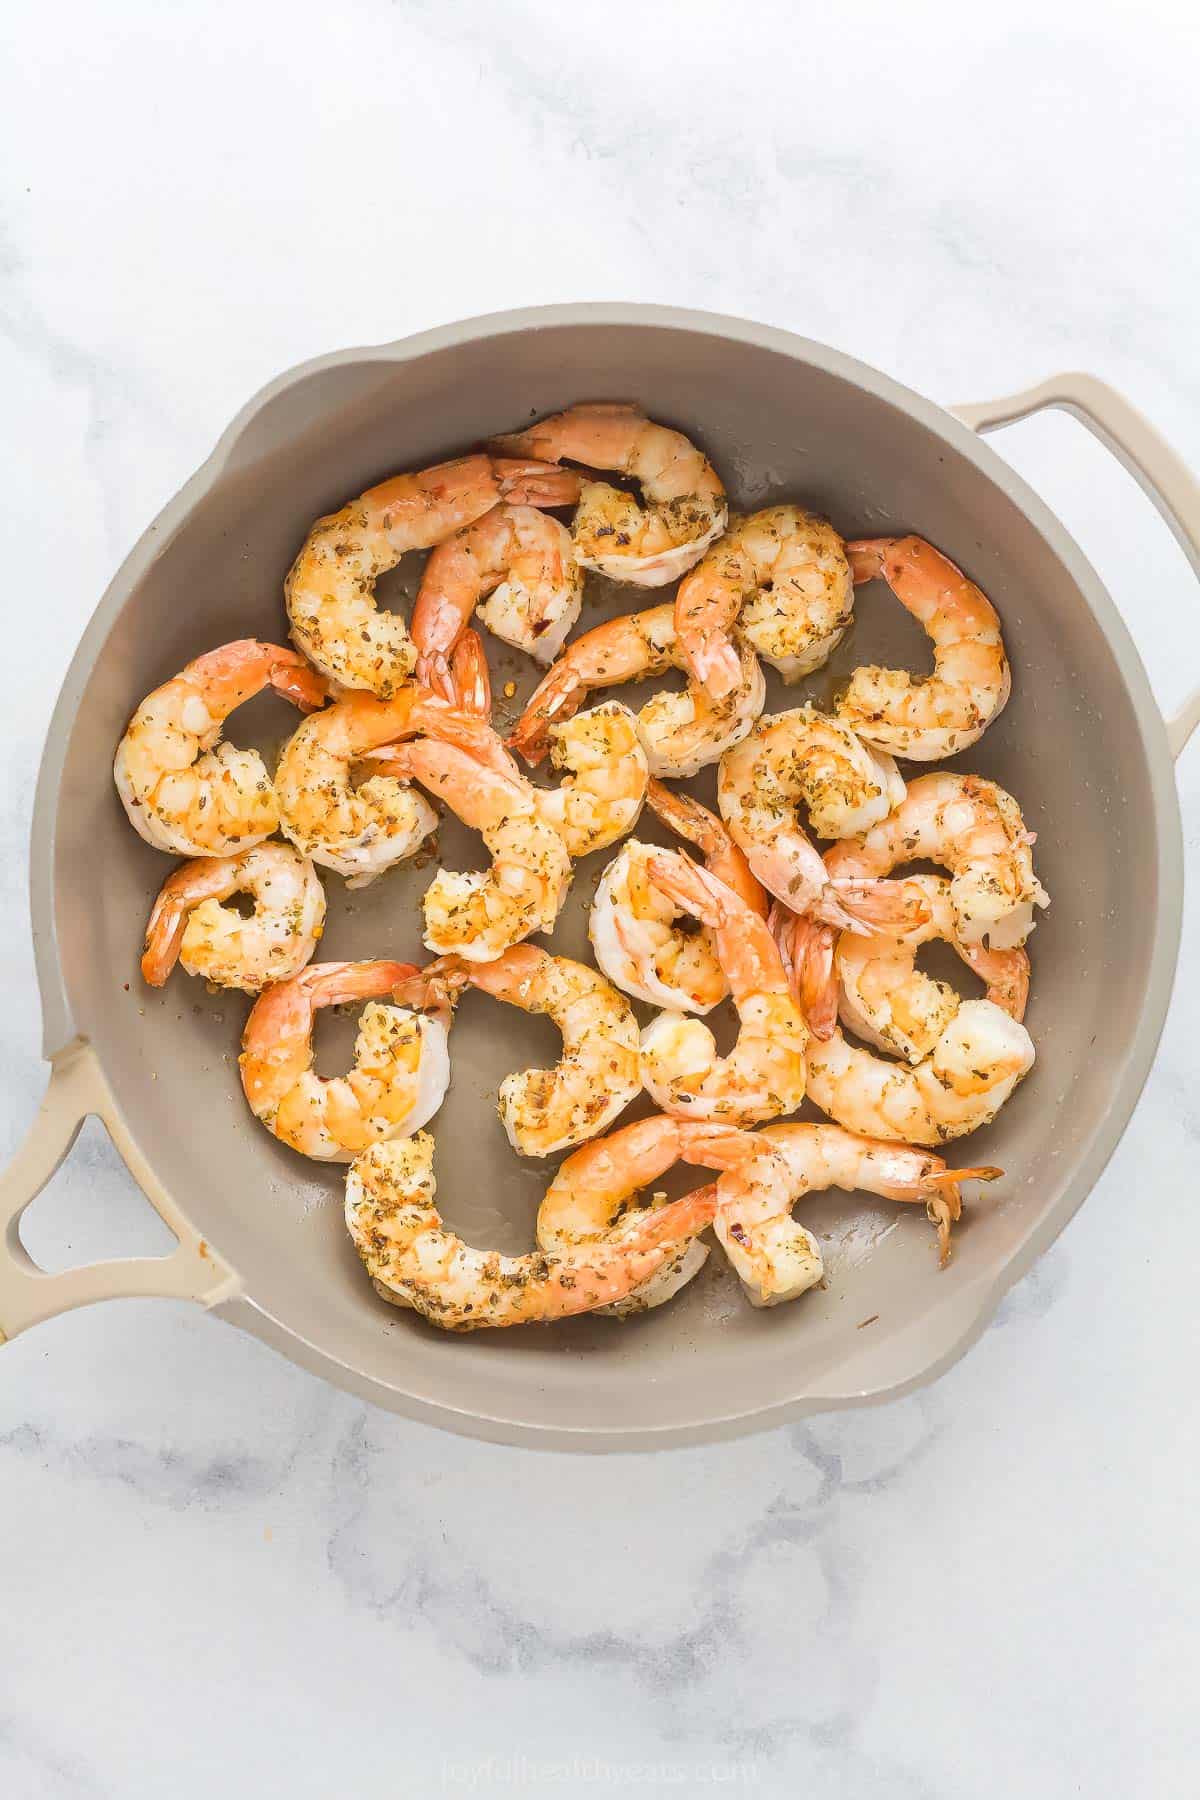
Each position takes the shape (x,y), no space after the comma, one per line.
(778,427)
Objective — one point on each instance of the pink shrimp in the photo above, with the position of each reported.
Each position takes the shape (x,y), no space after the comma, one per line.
(478,914)
(782,578)
(515,565)
(330,590)
(596,1197)
(182,787)
(544,1111)
(682,732)
(635,928)
(188,923)
(413,1260)
(684,508)
(401,1065)
(970,826)
(803,755)
(927,717)
(763,1076)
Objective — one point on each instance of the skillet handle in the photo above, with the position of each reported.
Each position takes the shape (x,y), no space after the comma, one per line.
(28,1294)
(1158,470)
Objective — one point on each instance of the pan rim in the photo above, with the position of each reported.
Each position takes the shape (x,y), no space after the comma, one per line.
(839,1388)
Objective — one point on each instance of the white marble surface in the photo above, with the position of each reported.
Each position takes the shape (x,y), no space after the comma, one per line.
(219,1574)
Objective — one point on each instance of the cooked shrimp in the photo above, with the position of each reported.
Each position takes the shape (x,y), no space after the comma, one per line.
(188,923)
(359,830)
(414,1261)
(925,717)
(639,944)
(523,561)
(595,1197)
(330,589)
(684,506)
(544,1111)
(825,1156)
(889,1002)
(763,1075)
(773,1255)
(547,1110)
(480,914)
(783,574)
(682,732)
(183,789)
(804,755)
(634,926)
(401,1063)
(971,827)
(972,1069)
(604,786)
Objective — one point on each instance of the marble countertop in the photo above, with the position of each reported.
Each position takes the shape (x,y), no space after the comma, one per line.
(219,1574)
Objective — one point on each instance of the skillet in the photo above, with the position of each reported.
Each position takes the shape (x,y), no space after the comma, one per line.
(260,1235)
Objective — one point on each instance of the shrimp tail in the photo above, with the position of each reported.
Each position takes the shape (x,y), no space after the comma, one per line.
(393,760)
(866,906)
(556,699)
(689,820)
(460,677)
(818,995)
(1005,972)
(433,673)
(686,817)
(806,948)
(917,1187)
(435,989)
(866,557)
(714,1145)
(469,676)
(164,937)
(715,664)
(943,1206)
(300,683)
(531,738)
(449,724)
(943,1212)
(526,482)
(679,1218)
(949,1177)
(689,885)
(336,984)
